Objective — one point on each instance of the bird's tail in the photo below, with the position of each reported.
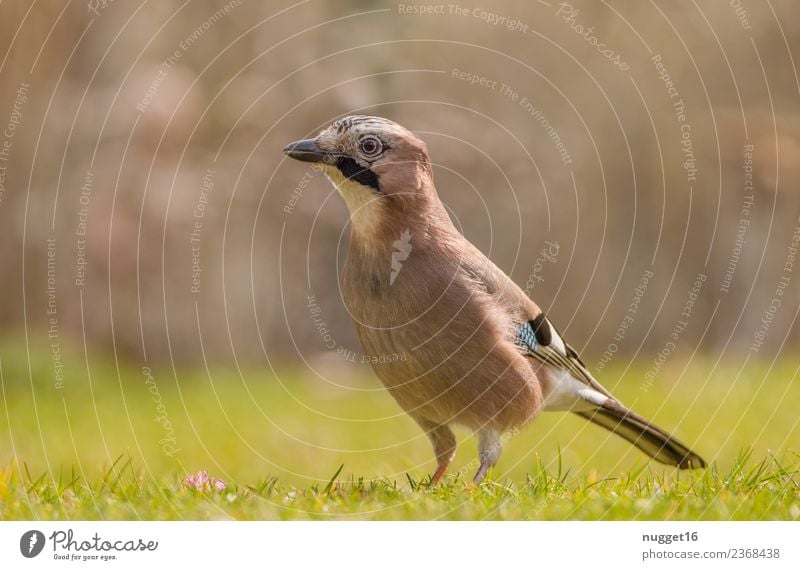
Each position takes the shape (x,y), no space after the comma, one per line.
(651,439)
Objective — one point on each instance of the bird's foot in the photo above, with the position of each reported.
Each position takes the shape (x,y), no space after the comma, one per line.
(481,473)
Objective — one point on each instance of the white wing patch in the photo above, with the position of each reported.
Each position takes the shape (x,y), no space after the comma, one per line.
(562,390)
(564,393)
(557,341)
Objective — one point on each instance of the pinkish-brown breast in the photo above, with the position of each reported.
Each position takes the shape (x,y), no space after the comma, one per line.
(437,338)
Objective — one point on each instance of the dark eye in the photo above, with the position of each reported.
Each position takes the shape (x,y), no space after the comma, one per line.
(370,146)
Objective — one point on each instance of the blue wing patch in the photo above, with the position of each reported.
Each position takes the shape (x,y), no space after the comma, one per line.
(541,341)
(526,338)
(536,331)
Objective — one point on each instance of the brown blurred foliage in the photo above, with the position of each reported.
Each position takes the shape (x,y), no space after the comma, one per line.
(226,99)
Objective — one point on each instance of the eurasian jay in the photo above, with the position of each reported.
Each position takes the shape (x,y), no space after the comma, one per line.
(453,339)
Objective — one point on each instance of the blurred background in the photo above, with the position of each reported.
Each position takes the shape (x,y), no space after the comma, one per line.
(168,273)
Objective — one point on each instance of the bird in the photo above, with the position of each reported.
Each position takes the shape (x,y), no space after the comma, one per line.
(454,340)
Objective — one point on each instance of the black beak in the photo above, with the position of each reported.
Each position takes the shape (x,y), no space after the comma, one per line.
(306,150)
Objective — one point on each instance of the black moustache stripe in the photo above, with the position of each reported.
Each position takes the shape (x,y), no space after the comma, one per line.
(353,171)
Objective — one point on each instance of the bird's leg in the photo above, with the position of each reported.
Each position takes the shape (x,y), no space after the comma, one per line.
(438,473)
(444,445)
(489,450)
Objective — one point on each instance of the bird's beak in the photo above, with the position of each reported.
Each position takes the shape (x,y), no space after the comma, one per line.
(306,150)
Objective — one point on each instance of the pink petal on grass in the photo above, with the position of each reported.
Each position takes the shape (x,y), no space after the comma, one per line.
(197,481)
(202,482)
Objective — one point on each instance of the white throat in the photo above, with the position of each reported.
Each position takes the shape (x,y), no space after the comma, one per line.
(364,206)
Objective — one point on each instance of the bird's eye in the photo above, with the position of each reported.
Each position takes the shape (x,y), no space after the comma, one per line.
(370,146)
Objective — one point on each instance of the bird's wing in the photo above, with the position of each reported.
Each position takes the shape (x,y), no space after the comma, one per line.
(538,337)
(540,340)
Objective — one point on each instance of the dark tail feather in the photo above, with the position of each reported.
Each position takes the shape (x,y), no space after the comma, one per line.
(654,441)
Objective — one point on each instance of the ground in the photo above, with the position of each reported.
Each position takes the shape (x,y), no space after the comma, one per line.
(119,444)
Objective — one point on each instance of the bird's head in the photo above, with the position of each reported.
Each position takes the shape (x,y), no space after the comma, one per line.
(381,169)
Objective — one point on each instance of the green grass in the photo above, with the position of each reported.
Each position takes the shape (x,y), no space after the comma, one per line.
(763,491)
(297,445)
